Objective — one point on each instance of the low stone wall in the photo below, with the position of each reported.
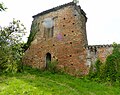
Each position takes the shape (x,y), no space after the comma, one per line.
(95,52)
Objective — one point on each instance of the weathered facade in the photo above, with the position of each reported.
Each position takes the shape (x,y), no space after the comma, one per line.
(95,52)
(64,39)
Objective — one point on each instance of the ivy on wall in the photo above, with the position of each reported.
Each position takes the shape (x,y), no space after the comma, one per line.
(34,29)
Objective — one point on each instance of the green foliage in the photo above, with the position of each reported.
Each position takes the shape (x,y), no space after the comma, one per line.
(95,70)
(11,50)
(35,82)
(2,7)
(108,71)
(52,66)
(33,32)
(112,66)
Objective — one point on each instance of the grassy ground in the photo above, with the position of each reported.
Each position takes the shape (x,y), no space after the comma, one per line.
(34,82)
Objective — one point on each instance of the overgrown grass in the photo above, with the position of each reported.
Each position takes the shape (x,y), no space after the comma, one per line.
(35,82)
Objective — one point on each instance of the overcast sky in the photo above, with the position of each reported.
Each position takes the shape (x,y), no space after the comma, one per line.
(103,25)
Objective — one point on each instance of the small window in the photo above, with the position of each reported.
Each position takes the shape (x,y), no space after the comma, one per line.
(75,15)
(70,42)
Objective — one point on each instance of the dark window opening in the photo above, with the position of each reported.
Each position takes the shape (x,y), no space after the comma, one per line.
(75,15)
(95,50)
(53,45)
(70,42)
(48,59)
(63,25)
(64,34)
(64,18)
(73,23)
(70,55)
(72,31)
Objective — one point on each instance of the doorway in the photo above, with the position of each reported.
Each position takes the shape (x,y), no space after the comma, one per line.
(48,59)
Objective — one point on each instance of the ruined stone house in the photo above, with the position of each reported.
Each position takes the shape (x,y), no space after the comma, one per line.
(61,35)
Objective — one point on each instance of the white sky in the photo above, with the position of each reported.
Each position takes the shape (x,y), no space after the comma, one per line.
(103,25)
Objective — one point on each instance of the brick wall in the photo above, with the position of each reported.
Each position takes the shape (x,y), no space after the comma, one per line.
(67,44)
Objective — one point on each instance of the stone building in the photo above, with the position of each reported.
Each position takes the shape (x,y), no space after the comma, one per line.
(60,34)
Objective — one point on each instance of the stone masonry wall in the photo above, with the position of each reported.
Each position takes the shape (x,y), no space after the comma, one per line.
(67,45)
(98,52)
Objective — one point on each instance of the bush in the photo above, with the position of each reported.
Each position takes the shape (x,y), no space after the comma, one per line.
(112,66)
(108,71)
(52,66)
(11,50)
(95,70)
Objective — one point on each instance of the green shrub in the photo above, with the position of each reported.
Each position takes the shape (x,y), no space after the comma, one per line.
(11,50)
(95,70)
(34,29)
(108,71)
(112,66)
(52,66)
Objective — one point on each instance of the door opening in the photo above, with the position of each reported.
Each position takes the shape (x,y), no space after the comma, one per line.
(48,59)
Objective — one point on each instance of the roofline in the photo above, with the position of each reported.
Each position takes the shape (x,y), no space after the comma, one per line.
(55,9)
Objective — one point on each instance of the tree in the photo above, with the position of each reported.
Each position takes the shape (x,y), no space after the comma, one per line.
(2,7)
(11,50)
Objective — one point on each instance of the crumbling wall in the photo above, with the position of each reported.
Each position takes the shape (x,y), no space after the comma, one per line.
(98,52)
